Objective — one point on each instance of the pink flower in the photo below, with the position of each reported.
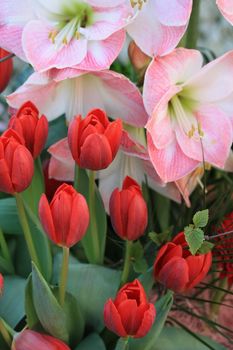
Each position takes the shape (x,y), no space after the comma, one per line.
(74,92)
(190,110)
(158,25)
(60,34)
(226,8)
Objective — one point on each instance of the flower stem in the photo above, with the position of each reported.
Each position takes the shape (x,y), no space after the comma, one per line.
(122,344)
(192,31)
(26,229)
(64,275)
(76,177)
(126,268)
(93,224)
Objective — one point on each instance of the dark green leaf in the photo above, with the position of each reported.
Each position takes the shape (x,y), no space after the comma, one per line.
(194,237)
(31,315)
(200,219)
(206,247)
(160,238)
(93,341)
(57,131)
(162,211)
(9,221)
(140,265)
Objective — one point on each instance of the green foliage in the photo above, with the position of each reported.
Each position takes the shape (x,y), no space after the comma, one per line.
(160,238)
(93,341)
(137,257)
(200,219)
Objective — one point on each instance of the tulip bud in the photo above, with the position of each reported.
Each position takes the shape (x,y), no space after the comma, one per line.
(30,127)
(16,163)
(94,141)
(128,210)
(6,69)
(138,58)
(1,284)
(66,218)
(130,314)
(28,340)
(177,269)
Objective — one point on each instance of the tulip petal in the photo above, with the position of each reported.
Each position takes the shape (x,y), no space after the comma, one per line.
(112,319)
(128,311)
(147,322)
(22,169)
(137,218)
(113,134)
(207,262)
(159,257)
(5,180)
(41,134)
(46,218)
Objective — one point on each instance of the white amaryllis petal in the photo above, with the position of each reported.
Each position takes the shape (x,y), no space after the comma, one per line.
(173,13)
(107,90)
(226,8)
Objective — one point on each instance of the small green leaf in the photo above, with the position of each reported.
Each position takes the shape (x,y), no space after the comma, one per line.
(200,219)
(206,247)
(160,238)
(137,250)
(140,265)
(194,237)
(93,341)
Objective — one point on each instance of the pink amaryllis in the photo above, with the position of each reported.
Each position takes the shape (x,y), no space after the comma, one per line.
(158,25)
(190,110)
(58,34)
(226,8)
(73,92)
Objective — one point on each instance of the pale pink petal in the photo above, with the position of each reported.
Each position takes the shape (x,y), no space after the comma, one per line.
(170,163)
(61,165)
(173,13)
(165,72)
(101,54)
(213,82)
(214,146)
(105,3)
(150,35)
(132,147)
(226,8)
(43,54)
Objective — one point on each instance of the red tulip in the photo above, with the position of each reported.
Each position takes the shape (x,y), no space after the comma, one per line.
(177,268)
(94,141)
(1,284)
(128,210)
(130,314)
(66,218)
(28,340)
(6,69)
(16,163)
(33,129)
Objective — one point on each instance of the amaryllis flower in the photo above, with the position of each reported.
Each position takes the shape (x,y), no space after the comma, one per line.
(57,34)
(190,110)
(80,92)
(226,8)
(158,25)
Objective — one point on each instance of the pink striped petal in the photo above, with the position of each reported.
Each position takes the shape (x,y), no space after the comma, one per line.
(226,8)
(173,13)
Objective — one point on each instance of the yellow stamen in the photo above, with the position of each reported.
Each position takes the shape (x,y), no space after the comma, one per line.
(199,128)
(138,3)
(52,35)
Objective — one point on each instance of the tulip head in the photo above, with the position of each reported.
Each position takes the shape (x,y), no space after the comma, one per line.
(177,269)
(128,210)
(16,163)
(66,218)
(6,69)
(94,141)
(1,284)
(32,128)
(28,340)
(130,314)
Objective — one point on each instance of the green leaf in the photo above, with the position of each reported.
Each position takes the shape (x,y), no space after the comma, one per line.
(147,279)
(206,247)
(12,301)
(93,341)
(200,219)
(92,285)
(31,315)
(140,265)
(50,313)
(194,237)
(137,257)
(9,221)
(172,338)
(162,210)
(160,238)
(57,131)
(163,306)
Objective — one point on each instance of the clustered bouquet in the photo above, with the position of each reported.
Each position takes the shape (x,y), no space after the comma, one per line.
(116,203)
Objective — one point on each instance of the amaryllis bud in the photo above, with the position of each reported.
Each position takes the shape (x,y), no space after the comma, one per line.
(66,218)
(1,284)
(177,269)
(6,69)
(31,127)
(94,141)
(28,340)
(128,210)
(16,163)
(138,58)
(130,314)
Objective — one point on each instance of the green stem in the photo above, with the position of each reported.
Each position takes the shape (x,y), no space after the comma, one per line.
(64,275)
(5,333)
(5,251)
(126,268)
(191,37)
(122,344)
(76,177)
(38,166)
(26,229)
(93,224)
(217,297)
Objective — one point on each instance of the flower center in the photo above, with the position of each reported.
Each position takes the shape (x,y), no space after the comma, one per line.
(137,3)
(75,15)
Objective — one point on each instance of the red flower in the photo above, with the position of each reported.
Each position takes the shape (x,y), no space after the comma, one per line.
(6,69)
(94,141)
(16,163)
(66,218)
(1,284)
(129,314)
(33,129)
(28,340)
(177,269)
(128,210)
